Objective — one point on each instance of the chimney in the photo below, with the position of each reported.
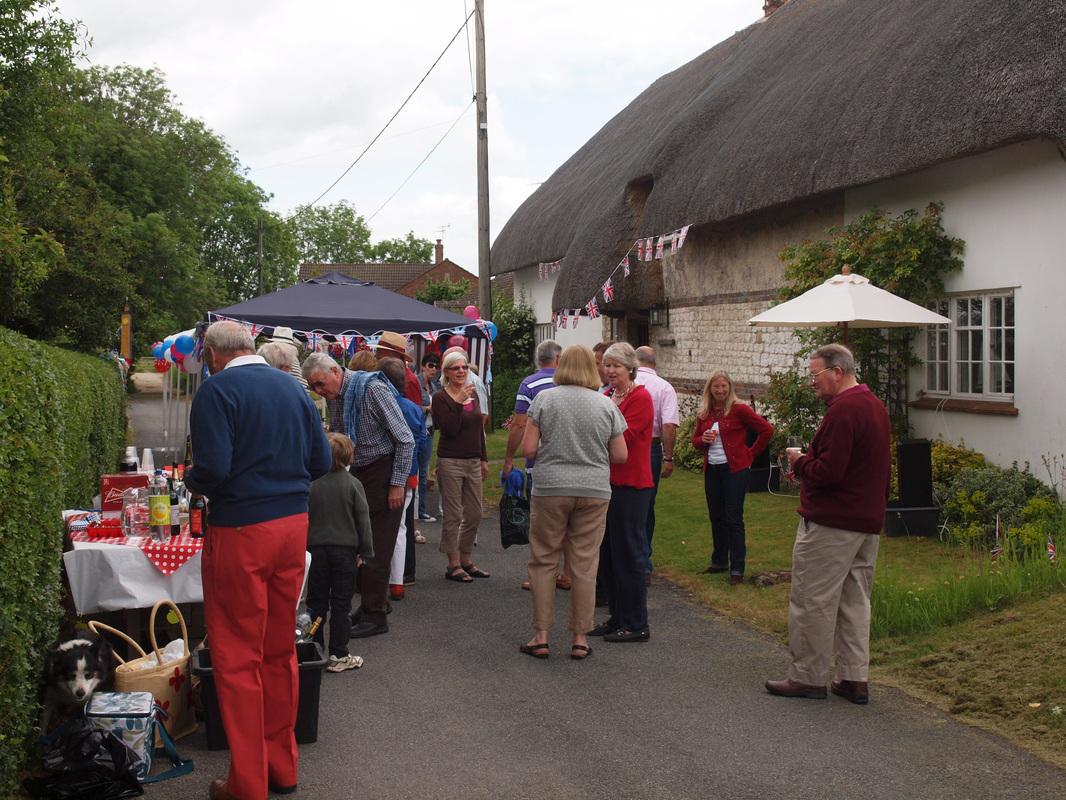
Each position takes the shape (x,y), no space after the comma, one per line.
(770,6)
(440,252)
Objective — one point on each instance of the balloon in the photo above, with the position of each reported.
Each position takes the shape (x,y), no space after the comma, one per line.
(157,350)
(457,341)
(192,364)
(168,342)
(492,330)
(161,365)
(177,355)
(471,312)
(184,344)
(168,354)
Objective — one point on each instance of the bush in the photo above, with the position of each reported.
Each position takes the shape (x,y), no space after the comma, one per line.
(63,424)
(979,495)
(504,391)
(948,460)
(792,407)
(685,455)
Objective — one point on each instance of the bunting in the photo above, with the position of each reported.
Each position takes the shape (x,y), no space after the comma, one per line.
(625,266)
(608,291)
(593,308)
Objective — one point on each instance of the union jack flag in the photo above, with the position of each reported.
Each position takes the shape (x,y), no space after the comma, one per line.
(254,329)
(659,247)
(562,320)
(649,251)
(681,236)
(1051,553)
(997,548)
(640,249)
(625,266)
(312,341)
(593,308)
(575,315)
(608,291)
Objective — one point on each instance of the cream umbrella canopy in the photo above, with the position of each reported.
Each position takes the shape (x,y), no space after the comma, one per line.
(850,301)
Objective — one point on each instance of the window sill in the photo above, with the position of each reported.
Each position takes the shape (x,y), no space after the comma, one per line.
(1000,408)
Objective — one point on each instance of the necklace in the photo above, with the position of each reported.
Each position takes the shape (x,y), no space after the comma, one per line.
(618,396)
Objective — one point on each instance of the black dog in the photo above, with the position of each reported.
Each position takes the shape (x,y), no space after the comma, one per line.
(75,667)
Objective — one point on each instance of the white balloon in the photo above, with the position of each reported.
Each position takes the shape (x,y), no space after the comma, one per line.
(168,356)
(192,364)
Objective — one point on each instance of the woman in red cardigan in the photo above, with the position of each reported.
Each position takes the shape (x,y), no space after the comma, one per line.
(722,425)
(622,562)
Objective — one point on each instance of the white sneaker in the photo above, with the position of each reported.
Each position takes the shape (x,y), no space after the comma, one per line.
(420,537)
(344,663)
(427,518)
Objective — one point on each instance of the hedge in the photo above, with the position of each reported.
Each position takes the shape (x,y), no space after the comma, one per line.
(63,423)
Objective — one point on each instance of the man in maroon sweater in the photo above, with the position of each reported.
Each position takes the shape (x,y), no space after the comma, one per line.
(843,491)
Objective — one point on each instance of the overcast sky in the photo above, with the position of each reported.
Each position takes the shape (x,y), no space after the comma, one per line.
(299,89)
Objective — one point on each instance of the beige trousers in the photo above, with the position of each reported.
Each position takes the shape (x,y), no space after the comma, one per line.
(829,607)
(459,482)
(575,526)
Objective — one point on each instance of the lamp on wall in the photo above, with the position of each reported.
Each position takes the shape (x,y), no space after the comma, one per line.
(659,316)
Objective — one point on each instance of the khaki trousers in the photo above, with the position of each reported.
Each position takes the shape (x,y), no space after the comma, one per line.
(459,481)
(575,526)
(829,606)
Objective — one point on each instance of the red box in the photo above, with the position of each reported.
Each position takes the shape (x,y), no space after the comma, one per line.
(112,487)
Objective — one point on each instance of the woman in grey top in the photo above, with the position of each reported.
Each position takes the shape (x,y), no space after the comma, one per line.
(575,434)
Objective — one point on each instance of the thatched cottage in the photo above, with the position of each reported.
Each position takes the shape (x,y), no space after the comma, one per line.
(804,120)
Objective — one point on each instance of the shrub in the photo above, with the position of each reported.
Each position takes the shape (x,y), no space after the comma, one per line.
(948,460)
(63,424)
(685,455)
(978,495)
(504,391)
(793,408)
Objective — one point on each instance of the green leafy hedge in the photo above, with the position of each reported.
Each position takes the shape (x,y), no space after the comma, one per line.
(63,424)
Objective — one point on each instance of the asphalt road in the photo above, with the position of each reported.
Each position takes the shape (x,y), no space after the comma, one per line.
(446,707)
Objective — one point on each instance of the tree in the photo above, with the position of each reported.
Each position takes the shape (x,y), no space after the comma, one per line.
(337,234)
(908,255)
(408,250)
(442,290)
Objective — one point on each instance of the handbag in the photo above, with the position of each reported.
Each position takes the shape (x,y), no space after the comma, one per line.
(132,718)
(168,681)
(78,760)
(514,510)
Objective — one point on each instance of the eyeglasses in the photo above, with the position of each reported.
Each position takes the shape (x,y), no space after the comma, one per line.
(462,367)
(819,372)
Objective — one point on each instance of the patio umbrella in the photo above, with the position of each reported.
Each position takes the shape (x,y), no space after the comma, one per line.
(850,301)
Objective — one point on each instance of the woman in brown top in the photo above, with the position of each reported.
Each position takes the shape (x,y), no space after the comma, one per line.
(462,466)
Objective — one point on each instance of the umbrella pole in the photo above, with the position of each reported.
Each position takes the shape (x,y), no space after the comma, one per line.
(845,325)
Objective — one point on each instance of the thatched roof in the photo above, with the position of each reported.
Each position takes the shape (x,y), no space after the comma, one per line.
(821,96)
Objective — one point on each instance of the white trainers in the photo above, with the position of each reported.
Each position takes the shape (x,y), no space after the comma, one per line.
(426,518)
(344,663)
(420,538)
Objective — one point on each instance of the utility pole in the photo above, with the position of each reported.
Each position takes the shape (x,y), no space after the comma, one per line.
(483,266)
(260,254)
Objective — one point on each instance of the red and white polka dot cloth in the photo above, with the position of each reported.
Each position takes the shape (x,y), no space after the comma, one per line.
(170,556)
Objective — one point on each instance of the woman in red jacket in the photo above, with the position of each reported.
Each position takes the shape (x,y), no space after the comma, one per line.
(722,425)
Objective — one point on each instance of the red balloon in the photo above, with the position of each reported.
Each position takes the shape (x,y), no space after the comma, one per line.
(471,312)
(161,365)
(457,341)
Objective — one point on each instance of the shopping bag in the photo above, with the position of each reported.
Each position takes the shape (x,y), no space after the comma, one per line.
(132,717)
(168,681)
(80,761)
(514,510)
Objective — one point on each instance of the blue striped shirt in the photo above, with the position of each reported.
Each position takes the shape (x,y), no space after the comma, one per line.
(530,387)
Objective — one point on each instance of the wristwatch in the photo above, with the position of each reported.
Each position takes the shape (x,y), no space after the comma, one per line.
(667,459)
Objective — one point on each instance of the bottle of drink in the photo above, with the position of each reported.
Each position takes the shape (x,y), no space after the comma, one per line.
(159,507)
(188,452)
(196,517)
(303,625)
(175,509)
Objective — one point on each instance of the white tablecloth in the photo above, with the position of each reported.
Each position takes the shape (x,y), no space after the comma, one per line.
(113,577)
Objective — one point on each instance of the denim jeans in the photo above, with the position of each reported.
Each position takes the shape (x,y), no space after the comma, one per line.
(424,455)
(725,492)
(656,468)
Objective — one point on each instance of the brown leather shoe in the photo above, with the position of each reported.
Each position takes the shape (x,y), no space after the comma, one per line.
(857,692)
(218,791)
(789,688)
(736,580)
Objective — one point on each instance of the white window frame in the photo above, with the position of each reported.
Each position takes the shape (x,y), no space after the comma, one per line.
(967,347)
(543,331)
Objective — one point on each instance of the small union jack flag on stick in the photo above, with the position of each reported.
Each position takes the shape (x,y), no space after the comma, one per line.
(608,291)
(997,547)
(1051,553)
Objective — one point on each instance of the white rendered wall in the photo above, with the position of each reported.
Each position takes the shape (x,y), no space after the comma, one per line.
(1009,206)
(538,294)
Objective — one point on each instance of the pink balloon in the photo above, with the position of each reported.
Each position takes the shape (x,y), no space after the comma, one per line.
(457,341)
(471,312)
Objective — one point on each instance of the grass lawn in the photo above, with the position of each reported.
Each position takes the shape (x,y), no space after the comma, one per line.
(985,659)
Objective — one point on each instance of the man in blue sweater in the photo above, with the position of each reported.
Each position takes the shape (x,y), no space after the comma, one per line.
(257,445)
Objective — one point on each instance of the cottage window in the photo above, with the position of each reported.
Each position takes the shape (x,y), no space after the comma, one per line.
(975,357)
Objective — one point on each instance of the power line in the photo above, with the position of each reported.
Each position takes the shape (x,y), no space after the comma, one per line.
(397,112)
(423,161)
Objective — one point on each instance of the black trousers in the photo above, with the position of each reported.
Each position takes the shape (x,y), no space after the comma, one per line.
(622,557)
(330,586)
(385,524)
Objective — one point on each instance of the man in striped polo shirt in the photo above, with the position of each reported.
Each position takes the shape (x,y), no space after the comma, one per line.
(547,357)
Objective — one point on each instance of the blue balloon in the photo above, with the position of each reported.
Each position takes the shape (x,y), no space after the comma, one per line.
(492,330)
(157,350)
(167,343)
(184,344)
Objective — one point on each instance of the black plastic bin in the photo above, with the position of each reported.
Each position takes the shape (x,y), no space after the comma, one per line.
(901,520)
(312,661)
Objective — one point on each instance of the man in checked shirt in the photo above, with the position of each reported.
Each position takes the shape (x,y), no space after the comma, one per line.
(384,449)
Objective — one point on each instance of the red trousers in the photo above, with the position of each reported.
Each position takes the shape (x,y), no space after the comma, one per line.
(252,576)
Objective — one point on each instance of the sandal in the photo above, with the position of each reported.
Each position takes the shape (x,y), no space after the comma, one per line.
(475,572)
(562,582)
(579,652)
(457,574)
(536,650)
